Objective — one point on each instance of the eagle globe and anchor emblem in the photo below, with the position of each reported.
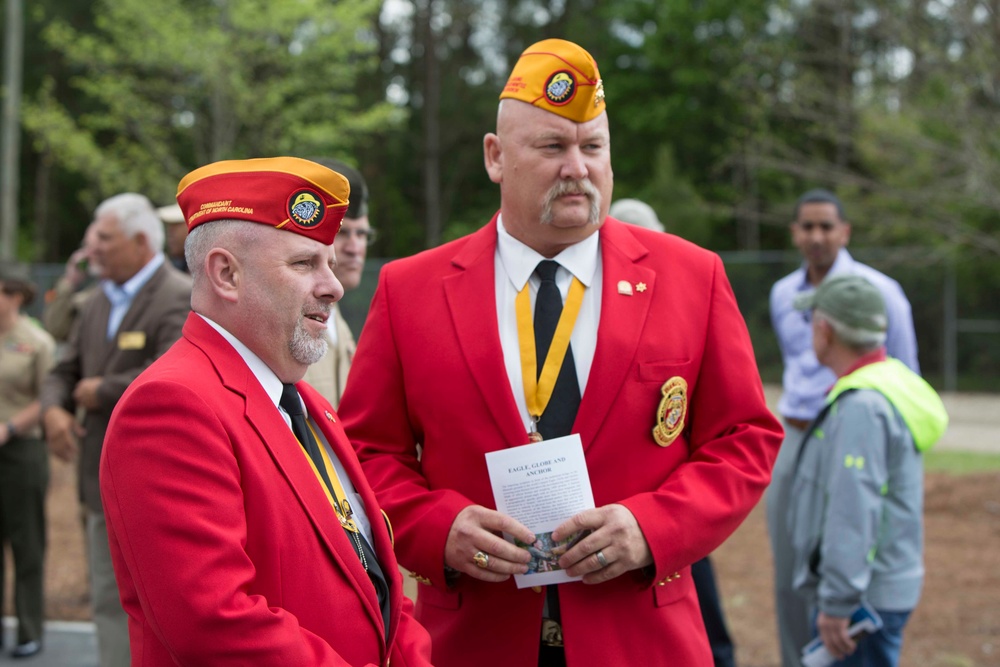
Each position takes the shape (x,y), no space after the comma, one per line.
(305,208)
(560,88)
(671,412)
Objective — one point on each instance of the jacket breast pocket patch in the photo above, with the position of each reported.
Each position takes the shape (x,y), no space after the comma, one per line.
(660,371)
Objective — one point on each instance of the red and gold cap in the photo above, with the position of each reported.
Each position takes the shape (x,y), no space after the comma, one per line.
(560,77)
(284,192)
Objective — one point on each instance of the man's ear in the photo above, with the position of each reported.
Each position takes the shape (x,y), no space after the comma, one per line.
(824,330)
(224,273)
(493,157)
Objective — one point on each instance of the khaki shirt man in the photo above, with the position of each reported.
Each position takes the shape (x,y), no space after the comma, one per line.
(329,375)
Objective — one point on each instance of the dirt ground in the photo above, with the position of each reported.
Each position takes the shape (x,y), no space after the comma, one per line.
(956,625)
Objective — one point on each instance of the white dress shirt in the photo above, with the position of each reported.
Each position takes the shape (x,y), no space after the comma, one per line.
(514,266)
(272,387)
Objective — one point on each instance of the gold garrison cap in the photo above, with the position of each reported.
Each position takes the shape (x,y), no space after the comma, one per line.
(560,77)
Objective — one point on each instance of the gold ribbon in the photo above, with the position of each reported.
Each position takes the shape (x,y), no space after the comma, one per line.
(339,497)
(537,392)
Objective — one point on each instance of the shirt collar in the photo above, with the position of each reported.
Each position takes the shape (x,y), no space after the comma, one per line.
(519,260)
(267,378)
(131,287)
(872,357)
(844,263)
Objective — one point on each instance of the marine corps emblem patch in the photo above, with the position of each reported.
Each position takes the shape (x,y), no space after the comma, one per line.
(671,412)
(305,208)
(560,88)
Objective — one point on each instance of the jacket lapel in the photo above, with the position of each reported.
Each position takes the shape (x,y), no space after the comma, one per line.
(96,329)
(474,317)
(623,318)
(327,421)
(279,442)
(291,460)
(143,299)
(136,310)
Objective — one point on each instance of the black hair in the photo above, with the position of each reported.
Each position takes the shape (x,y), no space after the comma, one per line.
(818,196)
(358,207)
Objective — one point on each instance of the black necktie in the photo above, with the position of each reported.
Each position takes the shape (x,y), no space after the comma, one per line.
(292,404)
(560,413)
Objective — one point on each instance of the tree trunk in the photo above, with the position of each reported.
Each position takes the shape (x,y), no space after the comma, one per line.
(431,172)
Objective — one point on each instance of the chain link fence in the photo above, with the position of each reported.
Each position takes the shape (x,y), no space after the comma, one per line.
(954,302)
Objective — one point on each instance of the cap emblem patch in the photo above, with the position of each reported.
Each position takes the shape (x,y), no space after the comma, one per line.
(560,88)
(305,208)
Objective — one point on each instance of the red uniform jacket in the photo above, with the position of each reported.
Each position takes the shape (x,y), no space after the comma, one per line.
(225,548)
(429,371)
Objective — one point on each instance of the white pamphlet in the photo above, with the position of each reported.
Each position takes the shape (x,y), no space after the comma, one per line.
(541,485)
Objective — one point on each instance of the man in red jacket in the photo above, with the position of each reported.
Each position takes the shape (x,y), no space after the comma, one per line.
(242,529)
(656,375)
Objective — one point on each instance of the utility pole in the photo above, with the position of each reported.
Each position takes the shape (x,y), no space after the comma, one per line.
(10,146)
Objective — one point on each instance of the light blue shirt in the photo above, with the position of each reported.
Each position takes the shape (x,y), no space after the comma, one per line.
(122,296)
(805,381)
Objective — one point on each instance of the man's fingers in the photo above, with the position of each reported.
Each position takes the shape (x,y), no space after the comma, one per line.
(473,538)
(615,534)
(833,630)
(585,520)
(501,523)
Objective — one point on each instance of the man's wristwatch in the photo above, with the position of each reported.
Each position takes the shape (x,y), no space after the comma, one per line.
(11,431)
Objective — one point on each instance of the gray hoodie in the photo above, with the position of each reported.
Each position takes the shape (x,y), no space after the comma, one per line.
(856,517)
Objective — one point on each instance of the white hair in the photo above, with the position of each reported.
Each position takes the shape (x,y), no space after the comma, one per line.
(859,340)
(135,215)
(203,238)
(636,212)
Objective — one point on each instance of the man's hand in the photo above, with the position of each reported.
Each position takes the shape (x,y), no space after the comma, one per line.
(62,432)
(85,393)
(833,632)
(476,529)
(615,535)
(75,274)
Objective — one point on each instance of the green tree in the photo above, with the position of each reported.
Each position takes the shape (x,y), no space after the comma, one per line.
(171,85)
(893,104)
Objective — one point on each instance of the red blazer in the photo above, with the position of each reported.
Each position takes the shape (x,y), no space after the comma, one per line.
(429,371)
(225,548)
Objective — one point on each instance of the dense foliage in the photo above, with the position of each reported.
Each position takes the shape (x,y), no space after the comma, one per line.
(722,111)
